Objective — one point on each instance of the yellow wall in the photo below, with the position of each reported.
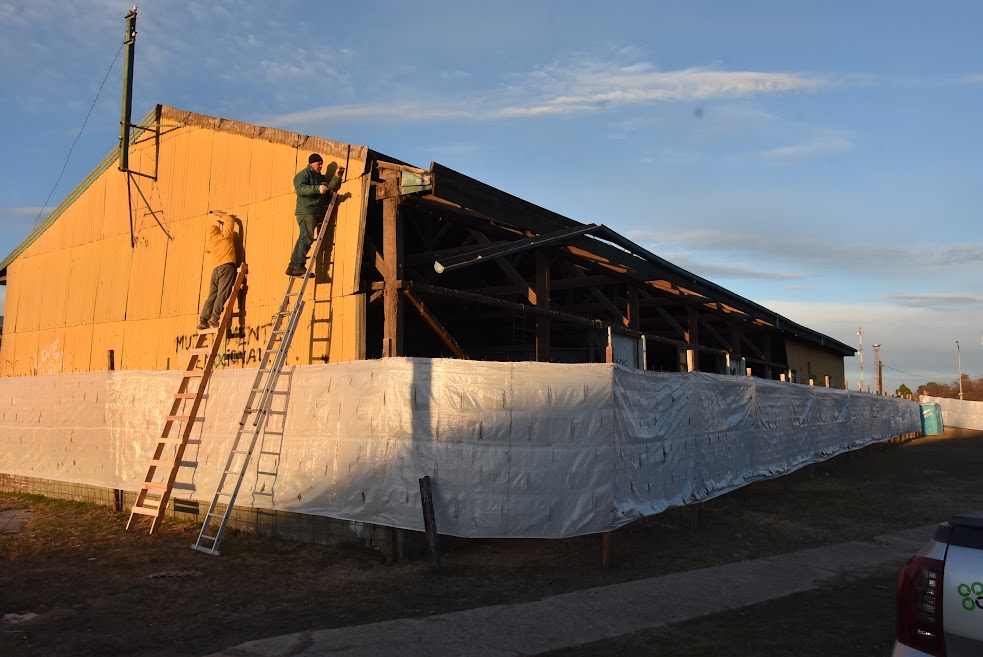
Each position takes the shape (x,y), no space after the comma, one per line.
(801,356)
(83,287)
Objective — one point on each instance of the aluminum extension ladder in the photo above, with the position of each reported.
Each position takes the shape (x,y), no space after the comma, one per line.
(155,491)
(256,412)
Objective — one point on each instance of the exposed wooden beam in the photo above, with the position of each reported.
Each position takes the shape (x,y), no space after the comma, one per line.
(493,252)
(753,347)
(713,331)
(436,325)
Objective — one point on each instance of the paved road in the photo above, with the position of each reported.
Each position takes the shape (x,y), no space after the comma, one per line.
(594,614)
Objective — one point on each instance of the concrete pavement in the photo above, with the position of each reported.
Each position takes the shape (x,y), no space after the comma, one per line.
(600,613)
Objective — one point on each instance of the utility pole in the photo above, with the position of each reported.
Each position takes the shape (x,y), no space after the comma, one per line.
(959,359)
(860,334)
(877,369)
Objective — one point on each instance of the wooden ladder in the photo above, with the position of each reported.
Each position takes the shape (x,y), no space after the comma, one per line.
(155,491)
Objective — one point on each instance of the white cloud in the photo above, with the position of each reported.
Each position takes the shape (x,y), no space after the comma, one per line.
(819,147)
(939,301)
(817,252)
(573,88)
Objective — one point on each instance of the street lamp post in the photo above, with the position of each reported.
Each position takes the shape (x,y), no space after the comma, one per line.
(959,359)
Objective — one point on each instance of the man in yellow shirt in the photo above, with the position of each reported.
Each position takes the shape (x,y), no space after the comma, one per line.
(220,243)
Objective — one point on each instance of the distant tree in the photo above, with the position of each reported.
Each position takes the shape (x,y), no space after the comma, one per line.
(903,391)
(972,389)
(933,389)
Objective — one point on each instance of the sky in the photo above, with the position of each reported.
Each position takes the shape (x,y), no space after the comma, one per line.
(819,158)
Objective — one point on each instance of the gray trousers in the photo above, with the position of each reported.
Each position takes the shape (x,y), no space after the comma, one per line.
(219,289)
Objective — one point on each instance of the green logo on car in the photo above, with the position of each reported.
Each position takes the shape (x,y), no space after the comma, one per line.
(972,595)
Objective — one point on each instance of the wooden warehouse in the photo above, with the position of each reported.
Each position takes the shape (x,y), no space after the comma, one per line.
(424,263)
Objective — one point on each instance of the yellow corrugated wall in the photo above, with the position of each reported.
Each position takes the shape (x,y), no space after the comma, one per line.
(802,356)
(82,288)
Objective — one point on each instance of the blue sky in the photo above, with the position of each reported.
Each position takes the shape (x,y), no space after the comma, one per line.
(822,159)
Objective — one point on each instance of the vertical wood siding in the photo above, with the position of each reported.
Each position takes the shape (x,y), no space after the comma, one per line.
(82,289)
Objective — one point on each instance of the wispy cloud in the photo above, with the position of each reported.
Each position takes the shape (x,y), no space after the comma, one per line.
(814,252)
(712,270)
(819,147)
(20,212)
(573,88)
(944,301)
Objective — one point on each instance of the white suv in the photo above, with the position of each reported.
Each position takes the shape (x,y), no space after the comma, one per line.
(940,594)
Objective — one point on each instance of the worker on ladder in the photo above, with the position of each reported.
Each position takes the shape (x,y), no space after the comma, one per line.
(313,194)
(221,245)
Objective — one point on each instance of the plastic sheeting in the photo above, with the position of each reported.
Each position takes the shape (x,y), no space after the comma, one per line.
(958,412)
(512,449)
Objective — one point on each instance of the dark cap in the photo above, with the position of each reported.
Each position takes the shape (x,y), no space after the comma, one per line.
(314,158)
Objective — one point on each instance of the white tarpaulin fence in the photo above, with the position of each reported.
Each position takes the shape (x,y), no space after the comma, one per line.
(958,412)
(513,449)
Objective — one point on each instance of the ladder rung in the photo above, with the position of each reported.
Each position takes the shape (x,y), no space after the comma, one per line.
(200,350)
(216,515)
(210,329)
(160,463)
(169,441)
(178,418)
(262,472)
(151,504)
(233,472)
(153,485)
(186,395)
(264,453)
(190,373)
(141,510)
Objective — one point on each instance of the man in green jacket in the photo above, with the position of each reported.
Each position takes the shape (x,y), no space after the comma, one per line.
(313,193)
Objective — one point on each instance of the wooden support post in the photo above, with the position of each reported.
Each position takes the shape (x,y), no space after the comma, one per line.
(693,337)
(392,253)
(828,381)
(395,545)
(694,517)
(781,376)
(118,492)
(429,521)
(543,324)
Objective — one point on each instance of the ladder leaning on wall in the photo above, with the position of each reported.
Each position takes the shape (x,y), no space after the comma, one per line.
(155,491)
(257,409)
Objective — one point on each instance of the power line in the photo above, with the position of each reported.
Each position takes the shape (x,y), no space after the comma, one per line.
(921,376)
(77,137)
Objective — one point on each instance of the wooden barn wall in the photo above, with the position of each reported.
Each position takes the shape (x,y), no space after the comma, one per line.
(81,289)
(802,357)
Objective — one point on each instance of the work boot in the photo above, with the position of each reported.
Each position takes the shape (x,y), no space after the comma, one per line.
(202,325)
(213,323)
(295,271)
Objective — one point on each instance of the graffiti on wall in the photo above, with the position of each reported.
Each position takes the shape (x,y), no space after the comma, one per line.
(49,360)
(243,348)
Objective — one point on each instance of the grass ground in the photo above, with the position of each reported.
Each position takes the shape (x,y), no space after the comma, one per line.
(90,581)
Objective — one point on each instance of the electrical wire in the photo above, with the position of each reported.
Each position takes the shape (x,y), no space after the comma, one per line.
(78,136)
(920,376)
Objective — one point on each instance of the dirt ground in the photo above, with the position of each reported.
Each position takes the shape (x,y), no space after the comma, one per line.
(99,590)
